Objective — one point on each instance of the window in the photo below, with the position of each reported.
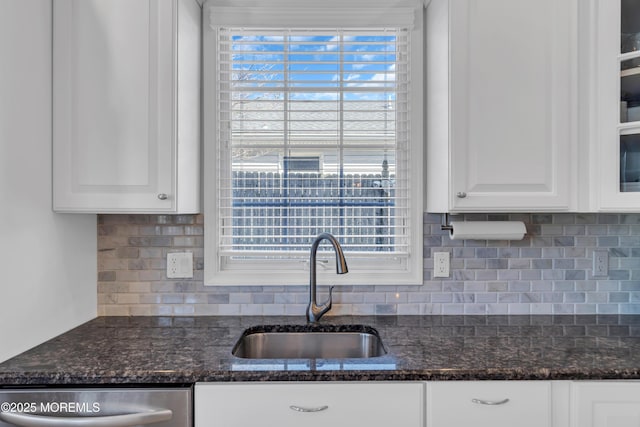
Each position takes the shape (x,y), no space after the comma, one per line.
(313,124)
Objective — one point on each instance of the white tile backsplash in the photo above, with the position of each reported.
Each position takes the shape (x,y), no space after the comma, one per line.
(549,272)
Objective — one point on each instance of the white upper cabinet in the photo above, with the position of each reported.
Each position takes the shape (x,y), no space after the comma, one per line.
(501,109)
(126,94)
(616,60)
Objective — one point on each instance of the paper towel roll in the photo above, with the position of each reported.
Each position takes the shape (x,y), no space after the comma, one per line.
(488,230)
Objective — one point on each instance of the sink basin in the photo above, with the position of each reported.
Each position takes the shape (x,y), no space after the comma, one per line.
(309,342)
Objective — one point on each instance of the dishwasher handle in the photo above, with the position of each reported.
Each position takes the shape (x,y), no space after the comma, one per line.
(125,420)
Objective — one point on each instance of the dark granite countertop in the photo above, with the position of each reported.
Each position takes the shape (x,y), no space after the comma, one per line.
(170,350)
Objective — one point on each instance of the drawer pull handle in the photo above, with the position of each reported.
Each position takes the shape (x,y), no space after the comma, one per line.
(489,402)
(125,420)
(316,409)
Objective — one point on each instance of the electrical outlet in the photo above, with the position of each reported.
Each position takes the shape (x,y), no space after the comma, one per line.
(600,263)
(441,264)
(180,265)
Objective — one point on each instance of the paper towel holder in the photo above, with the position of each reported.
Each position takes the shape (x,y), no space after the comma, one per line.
(484,230)
(445,223)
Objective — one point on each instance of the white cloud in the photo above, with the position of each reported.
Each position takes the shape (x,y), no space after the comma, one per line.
(382,77)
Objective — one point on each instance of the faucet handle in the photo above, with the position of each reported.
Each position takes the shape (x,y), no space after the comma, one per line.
(326,306)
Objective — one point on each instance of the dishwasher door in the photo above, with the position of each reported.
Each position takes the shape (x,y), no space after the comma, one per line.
(89,407)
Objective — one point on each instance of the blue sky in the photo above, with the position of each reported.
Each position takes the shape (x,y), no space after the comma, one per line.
(314,63)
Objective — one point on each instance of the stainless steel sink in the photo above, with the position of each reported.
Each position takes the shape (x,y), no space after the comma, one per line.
(304,342)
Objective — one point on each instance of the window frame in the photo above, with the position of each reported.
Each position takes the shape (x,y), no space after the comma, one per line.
(362,271)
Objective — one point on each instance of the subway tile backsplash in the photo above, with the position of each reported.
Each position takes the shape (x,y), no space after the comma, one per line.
(549,272)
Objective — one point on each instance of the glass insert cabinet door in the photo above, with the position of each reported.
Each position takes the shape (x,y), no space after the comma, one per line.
(629,124)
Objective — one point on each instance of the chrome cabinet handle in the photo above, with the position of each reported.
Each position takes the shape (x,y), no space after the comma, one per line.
(162,196)
(489,402)
(126,420)
(316,409)
(461,194)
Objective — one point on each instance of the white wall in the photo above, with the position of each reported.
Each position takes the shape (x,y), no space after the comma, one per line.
(48,261)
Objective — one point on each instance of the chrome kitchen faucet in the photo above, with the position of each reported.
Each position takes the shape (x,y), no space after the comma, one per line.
(315,311)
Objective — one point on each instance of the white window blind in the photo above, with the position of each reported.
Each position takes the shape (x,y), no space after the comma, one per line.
(313,133)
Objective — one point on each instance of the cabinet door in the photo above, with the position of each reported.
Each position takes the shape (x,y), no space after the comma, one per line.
(310,404)
(512,115)
(489,403)
(511,94)
(618,105)
(606,404)
(114,93)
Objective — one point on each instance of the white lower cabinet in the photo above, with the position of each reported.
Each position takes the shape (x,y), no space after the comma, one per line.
(311,404)
(419,404)
(497,403)
(605,404)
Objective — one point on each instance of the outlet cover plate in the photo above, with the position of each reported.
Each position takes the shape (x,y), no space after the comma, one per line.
(441,264)
(600,263)
(180,265)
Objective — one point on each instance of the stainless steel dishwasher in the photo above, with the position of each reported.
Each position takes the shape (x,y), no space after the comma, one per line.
(97,407)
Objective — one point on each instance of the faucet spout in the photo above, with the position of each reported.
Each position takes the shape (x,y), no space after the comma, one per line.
(315,311)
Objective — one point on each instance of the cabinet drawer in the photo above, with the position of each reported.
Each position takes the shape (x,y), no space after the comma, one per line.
(489,403)
(312,404)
